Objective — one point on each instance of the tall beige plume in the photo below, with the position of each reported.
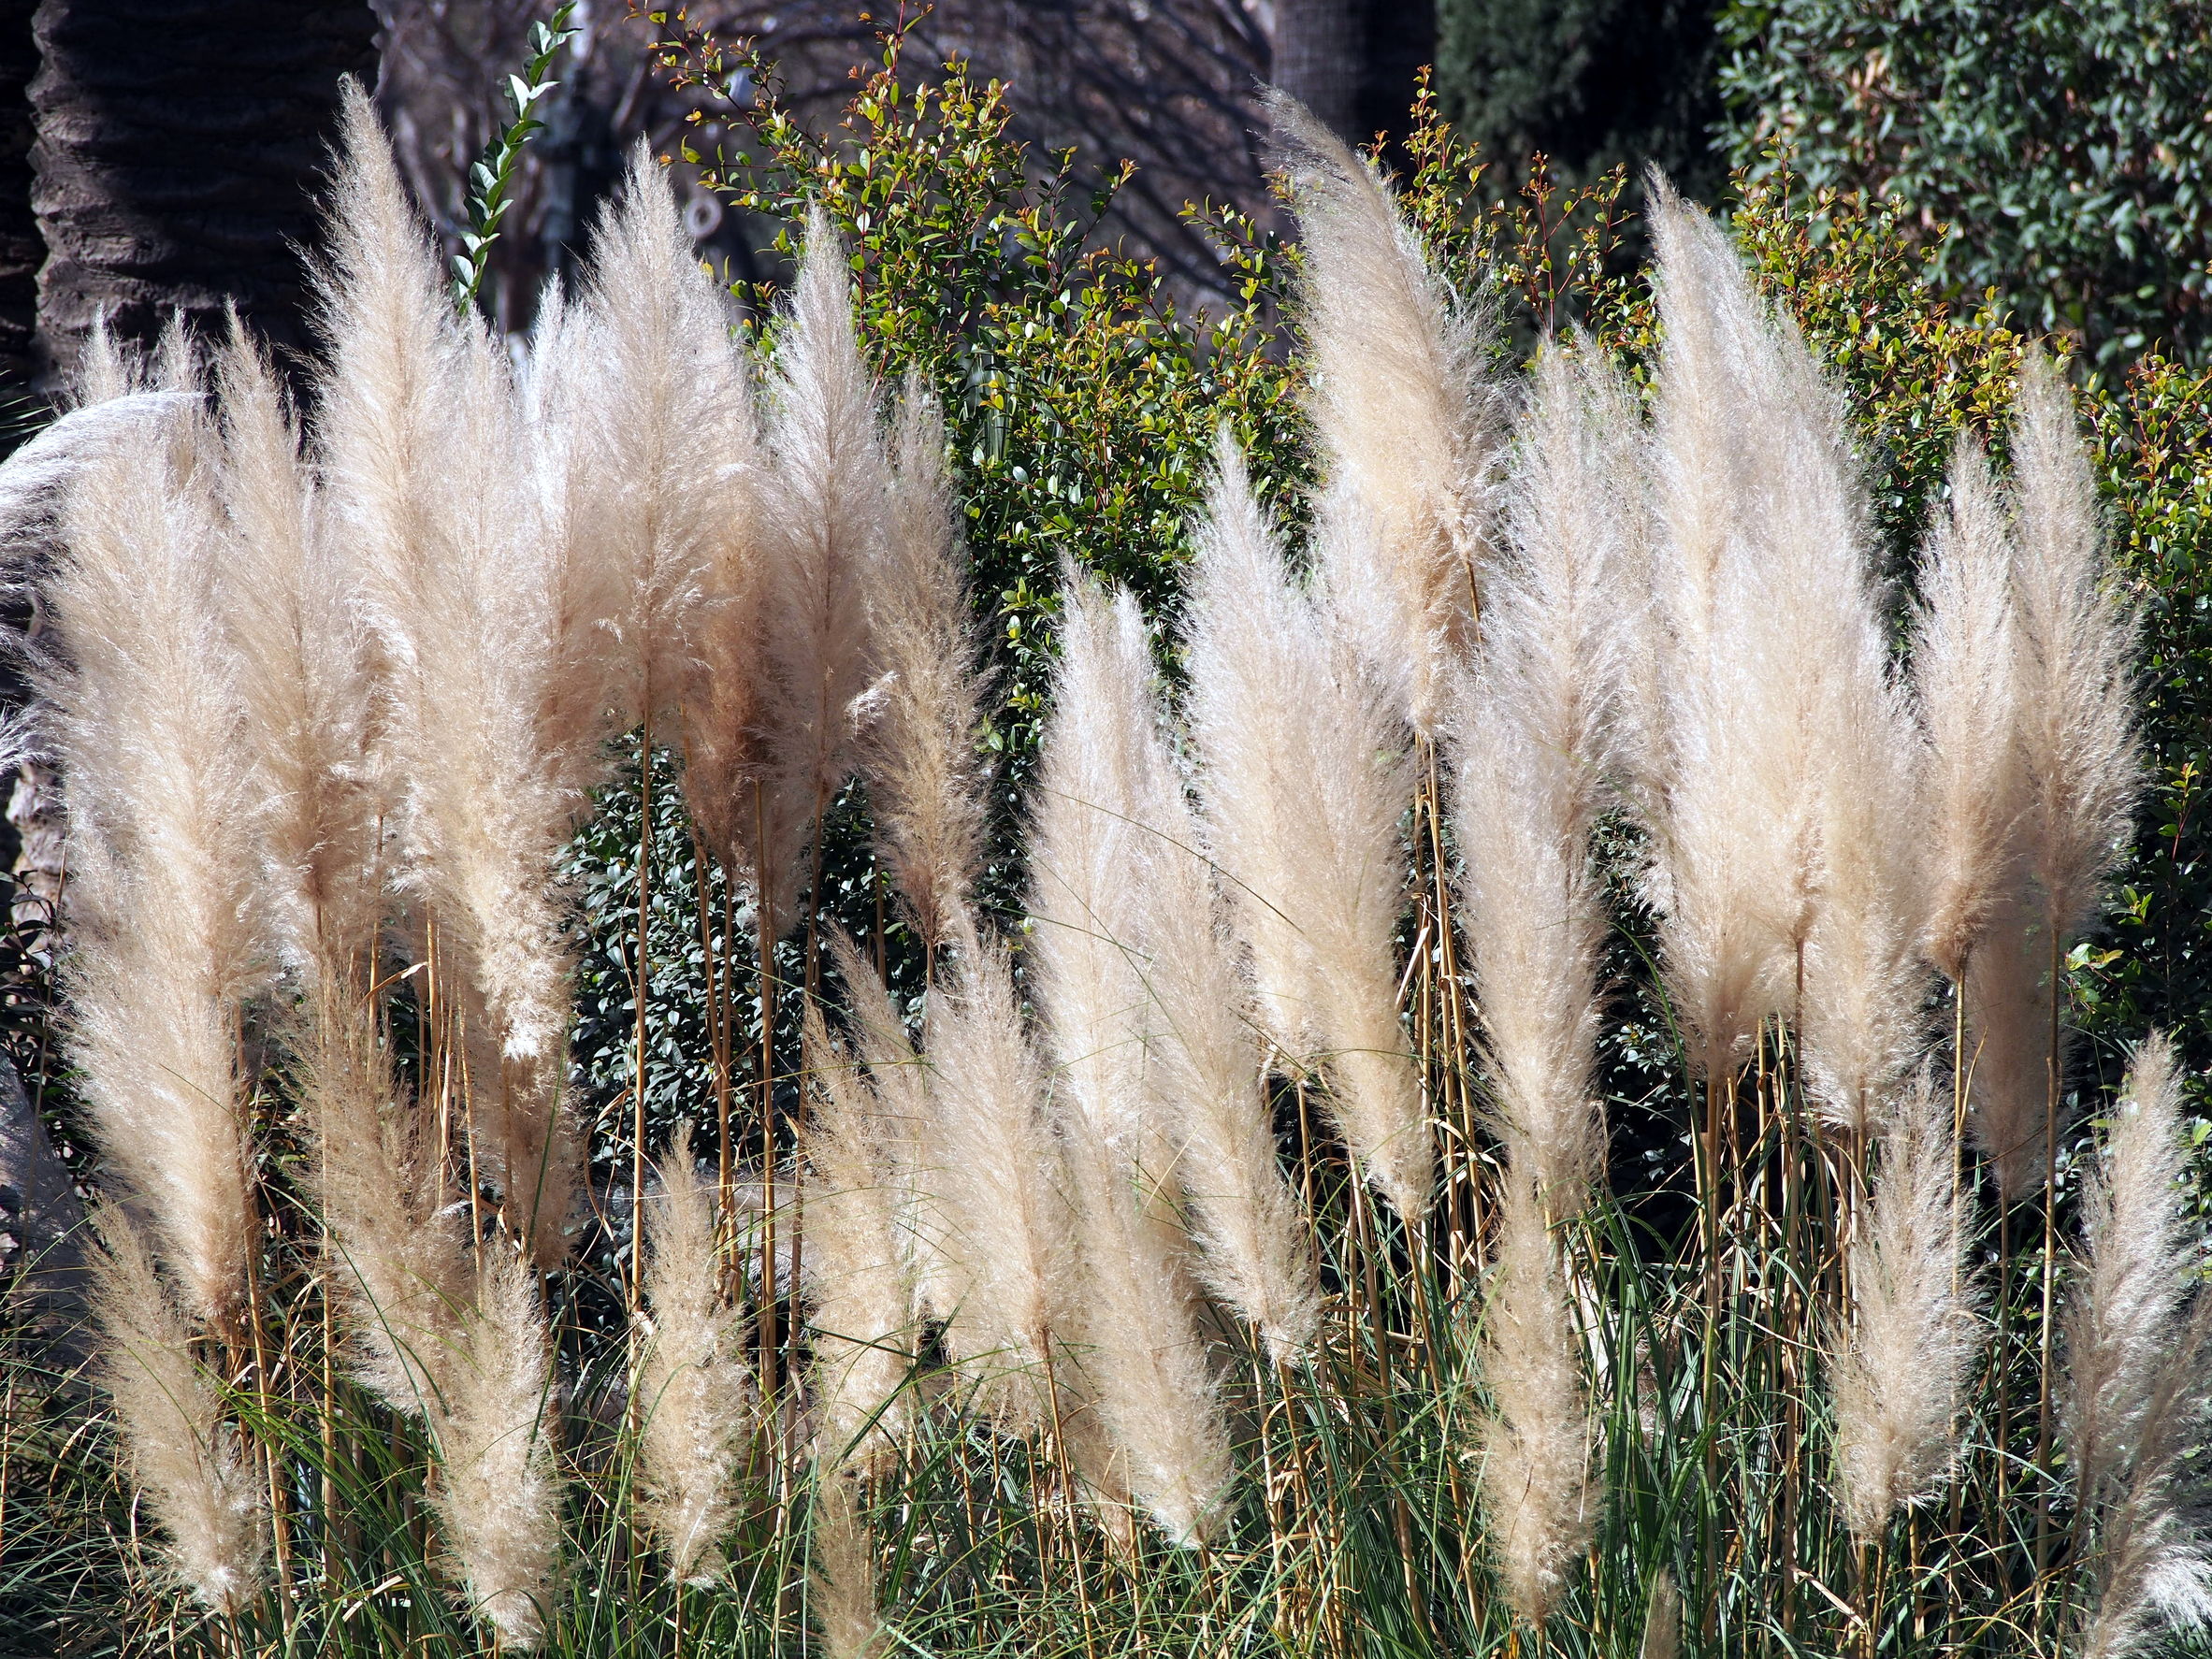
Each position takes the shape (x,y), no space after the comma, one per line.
(1406,415)
(398,1247)
(1966,667)
(2082,770)
(487,616)
(1139,1351)
(141,682)
(1535,738)
(827,519)
(1204,1073)
(695,1388)
(199,1485)
(1087,842)
(2138,1390)
(305,683)
(1901,1368)
(995,1183)
(925,777)
(498,1489)
(841,1578)
(1304,776)
(898,1081)
(1538,1496)
(859,1289)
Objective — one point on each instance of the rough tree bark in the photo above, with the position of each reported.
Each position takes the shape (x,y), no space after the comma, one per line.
(179,144)
(1319,57)
(21,249)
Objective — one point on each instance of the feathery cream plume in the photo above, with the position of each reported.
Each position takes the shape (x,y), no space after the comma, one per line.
(2085,761)
(498,1492)
(2139,1354)
(1774,645)
(995,1183)
(2135,1289)
(303,682)
(1205,1075)
(694,1386)
(1304,777)
(398,1245)
(898,1081)
(859,1289)
(1407,419)
(842,1569)
(2082,767)
(1139,1351)
(925,780)
(1537,1493)
(1965,668)
(1087,844)
(1900,1369)
(1534,742)
(201,1487)
(659,446)
(828,507)
(486,616)
(141,684)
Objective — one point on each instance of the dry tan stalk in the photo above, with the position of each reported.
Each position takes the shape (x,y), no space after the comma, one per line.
(925,779)
(842,1569)
(1899,1372)
(141,683)
(694,1386)
(995,1184)
(858,1287)
(1304,778)
(202,1489)
(1965,667)
(1537,1486)
(1407,420)
(498,1491)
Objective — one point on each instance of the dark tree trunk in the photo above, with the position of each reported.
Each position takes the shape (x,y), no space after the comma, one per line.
(1320,59)
(179,147)
(21,249)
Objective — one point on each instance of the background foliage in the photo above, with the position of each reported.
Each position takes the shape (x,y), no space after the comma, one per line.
(2066,140)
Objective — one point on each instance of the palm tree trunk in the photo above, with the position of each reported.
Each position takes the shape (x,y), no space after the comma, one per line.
(178,145)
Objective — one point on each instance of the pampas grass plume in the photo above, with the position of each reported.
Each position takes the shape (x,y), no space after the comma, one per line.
(841,1570)
(497,1493)
(925,780)
(1536,1493)
(694,1387)
(1407,419)
(1304,777)
(201,1487)
(1900,1370)
(860,1294)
